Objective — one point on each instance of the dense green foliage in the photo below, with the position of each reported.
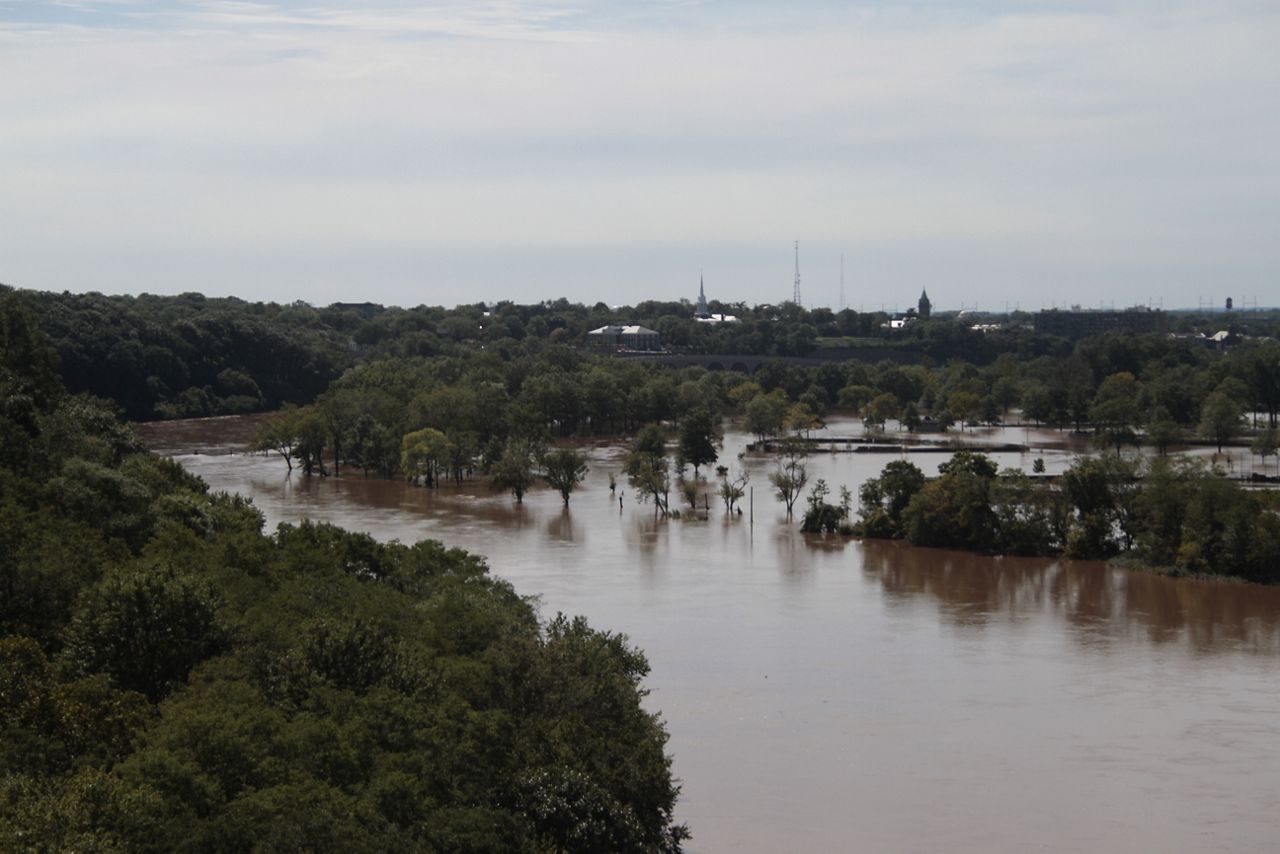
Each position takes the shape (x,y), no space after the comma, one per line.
(173,679)
(189,355)
(1153,390)
(1170,513)
(448,418)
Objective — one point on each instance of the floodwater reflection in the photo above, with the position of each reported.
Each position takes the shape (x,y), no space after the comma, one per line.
(561,527)
(1095,600)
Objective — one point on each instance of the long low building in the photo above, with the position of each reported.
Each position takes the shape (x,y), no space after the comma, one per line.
(1081,323)
(624,338)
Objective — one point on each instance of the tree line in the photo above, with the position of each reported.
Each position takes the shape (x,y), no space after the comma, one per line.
(173,678)
(448,418)
(1172,513)
(192,356)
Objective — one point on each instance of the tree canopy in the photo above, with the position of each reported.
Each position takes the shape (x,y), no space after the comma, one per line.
(173,678)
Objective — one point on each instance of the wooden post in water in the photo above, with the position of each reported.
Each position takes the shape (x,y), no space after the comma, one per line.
(752,504)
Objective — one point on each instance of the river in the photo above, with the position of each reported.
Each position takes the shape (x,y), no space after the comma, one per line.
(832,695)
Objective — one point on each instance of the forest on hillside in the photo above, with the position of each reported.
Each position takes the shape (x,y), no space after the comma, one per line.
(173,678)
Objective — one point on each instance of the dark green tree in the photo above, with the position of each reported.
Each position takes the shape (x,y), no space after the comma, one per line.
(698,439)
(514,471)
(882,499)
(1266,444)
(1115,410)
(953,511)
(1220,418)
(766,413)
(145,627)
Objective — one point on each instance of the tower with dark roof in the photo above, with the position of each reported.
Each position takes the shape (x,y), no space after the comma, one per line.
(924,306)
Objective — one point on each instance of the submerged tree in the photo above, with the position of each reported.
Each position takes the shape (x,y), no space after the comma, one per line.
(1115,410)
(278,433)
(698,439)
(564,469)
(647,468)
(966,406)
(689,489)
(1102,491)
(791,475)
(312,437)
(821,517)
(766,414)
(881,408)
(955,511)
(883,499)
(731,491)
(514,469)
(1163,431)
(423,454)
(911,417)
(1266,444)
(801,420)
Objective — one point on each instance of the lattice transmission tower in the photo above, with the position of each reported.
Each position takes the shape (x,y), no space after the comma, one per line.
(842,303)
(795,297)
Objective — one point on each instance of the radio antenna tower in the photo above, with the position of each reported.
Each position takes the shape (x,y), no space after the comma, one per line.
(795,298)
(842,306)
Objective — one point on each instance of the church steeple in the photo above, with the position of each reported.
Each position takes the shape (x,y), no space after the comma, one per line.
(924,306)
(701,310)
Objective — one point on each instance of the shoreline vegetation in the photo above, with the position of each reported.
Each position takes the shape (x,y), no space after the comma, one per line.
(173,678)
(1142,485)
(1169,515)
(483,415)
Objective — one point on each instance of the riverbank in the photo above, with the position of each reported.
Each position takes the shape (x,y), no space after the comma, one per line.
(800,674)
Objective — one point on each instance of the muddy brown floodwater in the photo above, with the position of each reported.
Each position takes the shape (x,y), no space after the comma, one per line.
(825,695)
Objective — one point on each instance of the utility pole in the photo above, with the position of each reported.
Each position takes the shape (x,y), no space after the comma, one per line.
(795,298)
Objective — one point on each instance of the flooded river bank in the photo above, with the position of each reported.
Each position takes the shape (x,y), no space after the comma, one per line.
(825,694)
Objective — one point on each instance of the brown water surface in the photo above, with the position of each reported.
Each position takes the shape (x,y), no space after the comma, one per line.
(825,695)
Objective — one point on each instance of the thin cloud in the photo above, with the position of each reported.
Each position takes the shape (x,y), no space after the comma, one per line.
(981,150)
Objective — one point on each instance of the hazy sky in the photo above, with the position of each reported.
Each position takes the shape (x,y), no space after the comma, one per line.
(993,152)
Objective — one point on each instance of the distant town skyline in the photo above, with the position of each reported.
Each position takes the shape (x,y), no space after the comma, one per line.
(995,153)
